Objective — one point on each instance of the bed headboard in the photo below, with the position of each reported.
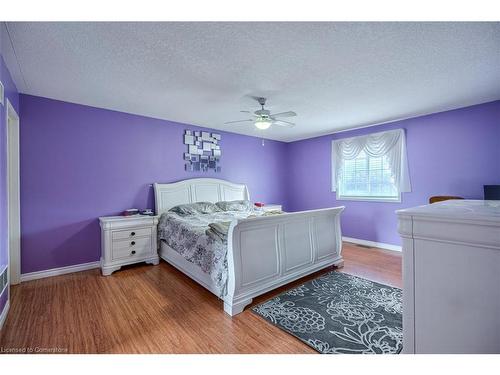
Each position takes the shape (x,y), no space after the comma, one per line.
(197,190)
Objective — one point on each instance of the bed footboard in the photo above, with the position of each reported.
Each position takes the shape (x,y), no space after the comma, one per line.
(267,252)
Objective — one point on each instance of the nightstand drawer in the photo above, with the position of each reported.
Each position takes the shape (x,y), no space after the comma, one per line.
(131,233)
(137,247)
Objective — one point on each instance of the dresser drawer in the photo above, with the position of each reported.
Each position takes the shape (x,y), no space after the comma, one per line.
(132,248)
(131,233)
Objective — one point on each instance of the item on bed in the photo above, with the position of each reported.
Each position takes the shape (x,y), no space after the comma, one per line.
(218,231)
(272,208)
(238,205)
(130,212)
(195,208)
(269,207)
(267,213)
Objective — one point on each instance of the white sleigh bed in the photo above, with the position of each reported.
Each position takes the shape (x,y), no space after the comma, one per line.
(262,253)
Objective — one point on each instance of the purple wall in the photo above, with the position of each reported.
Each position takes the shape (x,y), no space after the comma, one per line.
(449,153)
(79,163)
(13,96)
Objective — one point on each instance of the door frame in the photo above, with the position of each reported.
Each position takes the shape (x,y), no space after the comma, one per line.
(14,252)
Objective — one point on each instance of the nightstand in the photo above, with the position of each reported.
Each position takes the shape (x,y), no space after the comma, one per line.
(127,240)
(271,207)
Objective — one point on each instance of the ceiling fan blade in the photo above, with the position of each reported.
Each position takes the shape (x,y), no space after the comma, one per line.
(249,112)
(234,122)
(285,124)
(284,114)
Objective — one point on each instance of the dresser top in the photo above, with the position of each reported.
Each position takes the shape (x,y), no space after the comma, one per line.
(459,209)
(122,218)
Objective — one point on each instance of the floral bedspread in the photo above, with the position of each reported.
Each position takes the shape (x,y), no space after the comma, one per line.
(187,235)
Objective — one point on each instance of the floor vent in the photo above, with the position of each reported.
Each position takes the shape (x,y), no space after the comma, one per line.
(3,279)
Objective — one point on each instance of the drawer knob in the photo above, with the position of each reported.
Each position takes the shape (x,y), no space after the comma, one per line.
(132,243)
(132,234)
(133,252)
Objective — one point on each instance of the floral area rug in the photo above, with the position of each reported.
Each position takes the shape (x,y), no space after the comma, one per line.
(340,313)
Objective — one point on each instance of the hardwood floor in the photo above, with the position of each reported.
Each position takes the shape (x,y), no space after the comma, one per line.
(146,309)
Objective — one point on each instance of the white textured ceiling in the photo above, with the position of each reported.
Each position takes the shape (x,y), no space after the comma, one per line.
(334,75)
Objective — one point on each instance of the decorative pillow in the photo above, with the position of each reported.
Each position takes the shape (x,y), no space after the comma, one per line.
(195,208)
(235,205)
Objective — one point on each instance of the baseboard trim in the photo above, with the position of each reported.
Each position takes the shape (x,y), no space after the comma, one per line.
(3,315)
(381,245)
(59,271)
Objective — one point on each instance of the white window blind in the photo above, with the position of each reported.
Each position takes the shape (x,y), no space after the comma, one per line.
(370,167)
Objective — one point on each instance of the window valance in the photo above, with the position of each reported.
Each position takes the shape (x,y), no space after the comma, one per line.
(390,144)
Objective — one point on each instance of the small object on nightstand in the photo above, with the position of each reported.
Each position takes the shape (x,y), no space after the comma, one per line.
(147,212)
(259,204)
(131,212)
(127,240)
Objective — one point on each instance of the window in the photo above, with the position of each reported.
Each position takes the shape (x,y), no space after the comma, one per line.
(370,167)
(367,177)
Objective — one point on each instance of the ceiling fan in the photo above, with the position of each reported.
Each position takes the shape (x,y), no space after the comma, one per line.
(263,118)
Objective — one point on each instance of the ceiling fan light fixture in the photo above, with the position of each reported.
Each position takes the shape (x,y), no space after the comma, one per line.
(263,118)
(262,123)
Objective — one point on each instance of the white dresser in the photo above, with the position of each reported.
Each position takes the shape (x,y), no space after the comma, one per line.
(451,277)
(127,240)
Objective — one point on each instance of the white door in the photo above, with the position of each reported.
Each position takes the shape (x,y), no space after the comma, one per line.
(14,225)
